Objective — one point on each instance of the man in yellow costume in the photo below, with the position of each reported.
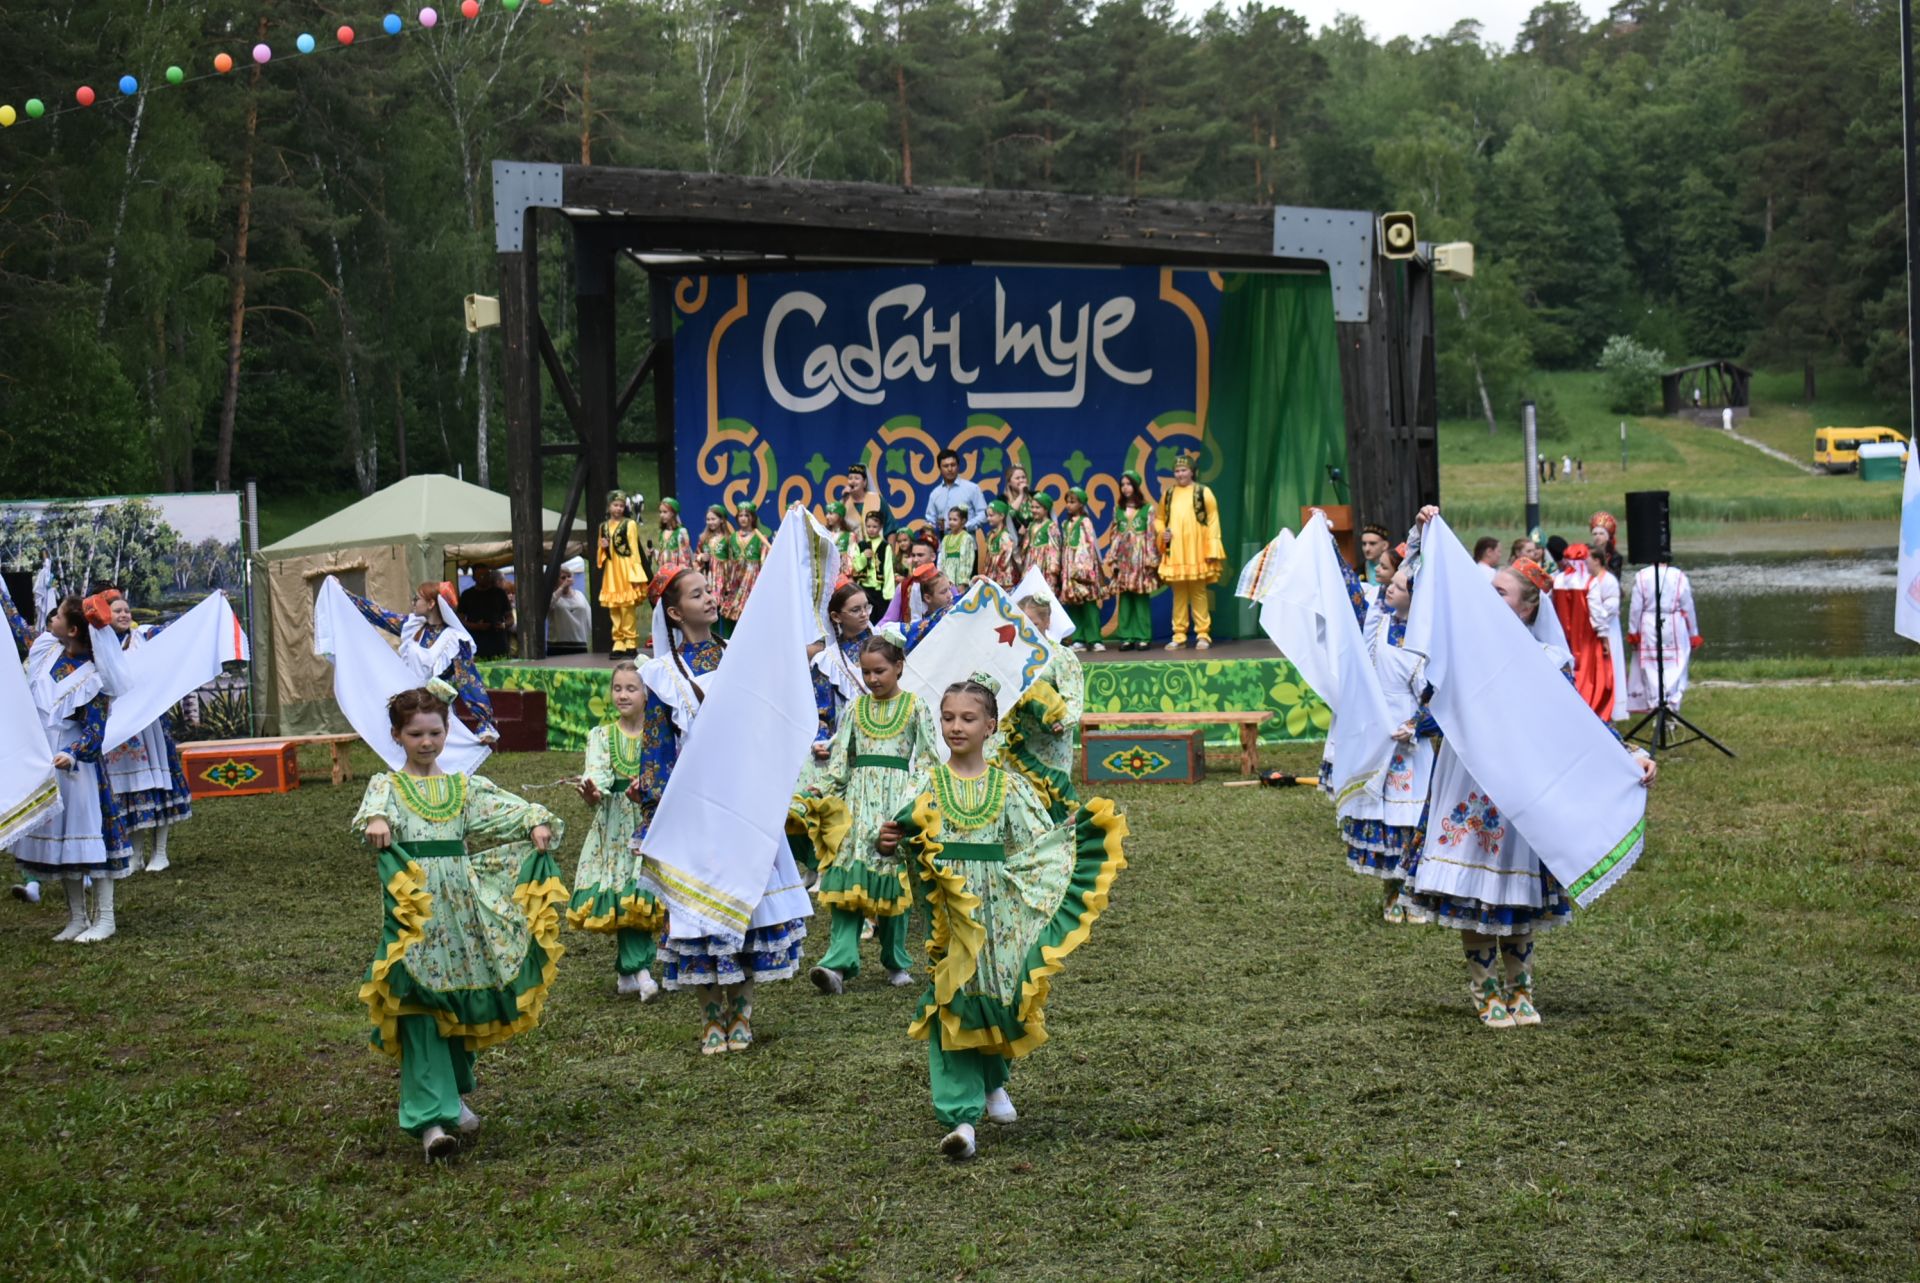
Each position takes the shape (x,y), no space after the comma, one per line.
(1195,554)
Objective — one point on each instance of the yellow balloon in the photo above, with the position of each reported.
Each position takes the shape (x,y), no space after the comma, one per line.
(7,117)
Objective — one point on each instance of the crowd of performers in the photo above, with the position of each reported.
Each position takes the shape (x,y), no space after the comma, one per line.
(1439,845)
(113,799)
(1172,543)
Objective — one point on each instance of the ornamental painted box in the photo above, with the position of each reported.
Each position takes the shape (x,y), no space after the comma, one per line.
(240,768)
(1143,757)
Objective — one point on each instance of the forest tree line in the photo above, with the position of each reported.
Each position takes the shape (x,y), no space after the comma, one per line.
(259,274)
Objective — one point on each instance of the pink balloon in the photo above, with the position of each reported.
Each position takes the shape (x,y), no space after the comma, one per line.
(428,17)
(261,53)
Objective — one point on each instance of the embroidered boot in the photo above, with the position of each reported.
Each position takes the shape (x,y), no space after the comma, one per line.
(714,1039)
(740,1028)
(1516,961)
(1394,912)
(1483,980)
(76,908)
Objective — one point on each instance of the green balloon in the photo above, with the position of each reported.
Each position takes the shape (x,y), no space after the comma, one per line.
(509,5)
(175,75)
(36,108)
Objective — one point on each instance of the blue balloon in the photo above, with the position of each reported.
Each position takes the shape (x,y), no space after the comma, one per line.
(129,86)
(304,44)
(392,24)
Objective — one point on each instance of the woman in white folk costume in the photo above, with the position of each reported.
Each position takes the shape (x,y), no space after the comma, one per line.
(1669,647)
(1036,741)
(434,643)
(885,739)
(686,652)
(1378,826)
(82,840)
(1474,872)
(149,781)
(469,939)
(1011,894)
(610,893)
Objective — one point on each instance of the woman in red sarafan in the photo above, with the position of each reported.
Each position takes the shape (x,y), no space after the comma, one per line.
(1592,665)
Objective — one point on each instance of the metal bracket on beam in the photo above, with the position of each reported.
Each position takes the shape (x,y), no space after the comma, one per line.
(518,187)
(1340,238)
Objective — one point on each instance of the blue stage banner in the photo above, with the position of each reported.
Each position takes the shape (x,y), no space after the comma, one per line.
(782,381)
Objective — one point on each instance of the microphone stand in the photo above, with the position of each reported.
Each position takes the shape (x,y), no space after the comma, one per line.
(1663,715)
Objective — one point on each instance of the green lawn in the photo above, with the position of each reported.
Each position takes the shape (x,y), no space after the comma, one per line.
(1250,1075)
(1713,479)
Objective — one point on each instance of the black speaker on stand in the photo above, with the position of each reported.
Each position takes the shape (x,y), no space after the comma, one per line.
(1650,543)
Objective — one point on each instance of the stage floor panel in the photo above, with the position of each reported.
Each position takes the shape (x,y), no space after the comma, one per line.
(1231,677)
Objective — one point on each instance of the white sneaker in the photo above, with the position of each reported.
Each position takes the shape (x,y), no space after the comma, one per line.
(469,1121)
(827,980)
(900,979)
(628,984)
(1203,644)
(28,891)
(1000,1107)
(958,1143)
(435,1143)
(1099,646)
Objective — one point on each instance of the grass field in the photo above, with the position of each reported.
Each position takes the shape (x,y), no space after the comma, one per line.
(1714,480)
(1250,1075)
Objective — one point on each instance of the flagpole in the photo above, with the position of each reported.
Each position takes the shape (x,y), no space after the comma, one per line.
(1913,214)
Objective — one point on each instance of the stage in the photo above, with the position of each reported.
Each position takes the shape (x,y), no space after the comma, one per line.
(1239,676)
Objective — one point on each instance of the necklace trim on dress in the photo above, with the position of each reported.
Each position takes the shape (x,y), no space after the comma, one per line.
(970,804)
(624,750)
(880,719)
(437,799)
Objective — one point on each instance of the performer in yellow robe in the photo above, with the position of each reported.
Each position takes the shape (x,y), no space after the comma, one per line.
(1195,554)
(623,574)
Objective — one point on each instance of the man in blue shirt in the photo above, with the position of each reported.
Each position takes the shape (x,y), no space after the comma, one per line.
(954,491)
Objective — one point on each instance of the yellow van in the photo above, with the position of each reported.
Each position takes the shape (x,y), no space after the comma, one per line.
(1837,449)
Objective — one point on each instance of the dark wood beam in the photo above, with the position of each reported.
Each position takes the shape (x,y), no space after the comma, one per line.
(594,276)
(634,383)
(550,356)
(660,290)
(519,332)
(564,532)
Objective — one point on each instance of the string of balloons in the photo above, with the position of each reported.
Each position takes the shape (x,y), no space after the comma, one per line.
(391,25)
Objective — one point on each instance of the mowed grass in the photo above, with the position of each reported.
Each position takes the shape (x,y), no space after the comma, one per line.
(1713,479)
(1250,1076)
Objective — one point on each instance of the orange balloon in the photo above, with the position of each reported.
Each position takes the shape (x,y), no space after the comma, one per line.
(223,63)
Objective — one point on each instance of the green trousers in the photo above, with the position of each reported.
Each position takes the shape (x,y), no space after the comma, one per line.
(636,950)
(962,1080)
(843,945)
(434,1075)
(1134,618)
(1086,622)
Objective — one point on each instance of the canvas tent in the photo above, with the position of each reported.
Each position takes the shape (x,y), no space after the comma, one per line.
(413,531)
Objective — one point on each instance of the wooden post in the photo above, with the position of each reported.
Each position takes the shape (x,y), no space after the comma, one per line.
(593,256)
(519,332)
(660,286)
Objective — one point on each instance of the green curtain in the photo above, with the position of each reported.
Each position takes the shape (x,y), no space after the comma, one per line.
(1277,419)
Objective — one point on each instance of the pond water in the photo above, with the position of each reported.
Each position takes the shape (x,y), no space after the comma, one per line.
(1779,605)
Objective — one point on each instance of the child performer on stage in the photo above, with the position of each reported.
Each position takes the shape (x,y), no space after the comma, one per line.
(876,573)
(1011,894)
(714,556)
(82,839)
(149,782)
(1133,563)
(609,891)
(958,549)
(623,574)
(884,740)
(435,643)
(1043,540)
(470,940)
(1003,546)
(1193,555)
(749,549)
(685,651)
(1473,872)
(676,545)
(1037,738)
(1083,579)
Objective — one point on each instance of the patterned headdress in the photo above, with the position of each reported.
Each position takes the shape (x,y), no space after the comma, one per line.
(856,469)
(987,680)
(657,587)
(1375,528)
(99,608)
(1604,521)
(1189,459)
(1577,552)
(837,509)
(1533,572)
(1000,506)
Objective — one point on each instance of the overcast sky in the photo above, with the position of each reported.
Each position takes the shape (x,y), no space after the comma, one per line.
(1499,19)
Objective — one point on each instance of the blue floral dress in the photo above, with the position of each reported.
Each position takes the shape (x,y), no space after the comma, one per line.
(148,778)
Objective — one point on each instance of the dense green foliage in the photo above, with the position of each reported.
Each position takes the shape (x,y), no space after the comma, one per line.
(259,274)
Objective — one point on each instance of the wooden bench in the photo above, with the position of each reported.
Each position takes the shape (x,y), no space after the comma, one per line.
(336,748)
(1249,724)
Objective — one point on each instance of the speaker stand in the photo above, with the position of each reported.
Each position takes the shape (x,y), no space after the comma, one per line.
(1663,716)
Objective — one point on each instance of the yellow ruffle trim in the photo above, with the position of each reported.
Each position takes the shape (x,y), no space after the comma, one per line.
(823,821)
(957,937)
(1052,708)
(540,901)
(634,913)
(856,900)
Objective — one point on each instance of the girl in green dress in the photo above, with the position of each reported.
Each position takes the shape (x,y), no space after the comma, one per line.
(608,891)
(884,739)
(470,939)
(1010,894)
